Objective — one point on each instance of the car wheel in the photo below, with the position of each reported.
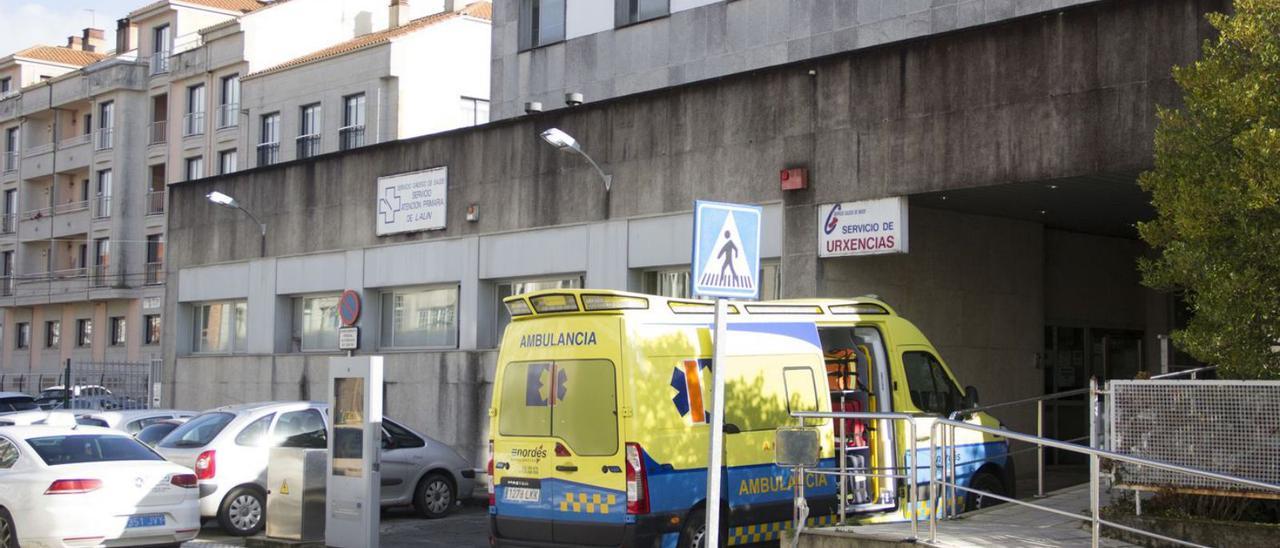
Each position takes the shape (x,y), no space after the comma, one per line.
(694,534)
(243,512)
(435,496)
(983,481)
(8,532)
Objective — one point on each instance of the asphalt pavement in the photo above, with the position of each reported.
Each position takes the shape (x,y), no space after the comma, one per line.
(466,526)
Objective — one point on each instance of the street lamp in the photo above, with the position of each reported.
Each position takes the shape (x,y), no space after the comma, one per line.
(566,143)
(229,202)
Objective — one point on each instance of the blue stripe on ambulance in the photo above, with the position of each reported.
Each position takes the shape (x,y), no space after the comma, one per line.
(673,490)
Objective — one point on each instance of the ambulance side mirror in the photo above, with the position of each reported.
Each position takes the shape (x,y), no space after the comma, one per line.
(970,397)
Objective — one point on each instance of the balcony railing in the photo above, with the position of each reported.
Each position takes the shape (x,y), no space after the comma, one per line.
(10,161)
(76,141)
(268,153)
(8,223)
(351,137)
(228,115)
(98,276)
(193,124)
(101,207)
(59,209)
(159,131)
(155,273)
(160,63)
(6,286)
(155,202)
(37,150)
(104,140)
(308,146)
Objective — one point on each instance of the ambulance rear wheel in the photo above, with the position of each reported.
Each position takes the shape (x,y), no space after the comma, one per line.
(984,481)
(694,534)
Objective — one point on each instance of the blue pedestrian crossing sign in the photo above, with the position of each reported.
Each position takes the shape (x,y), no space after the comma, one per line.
(726,250)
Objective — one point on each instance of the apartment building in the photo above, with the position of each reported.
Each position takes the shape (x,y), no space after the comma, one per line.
(93,137)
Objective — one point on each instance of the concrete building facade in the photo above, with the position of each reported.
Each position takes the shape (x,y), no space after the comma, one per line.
(1015,144)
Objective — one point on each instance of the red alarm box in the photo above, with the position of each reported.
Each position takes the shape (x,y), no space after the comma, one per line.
(796,178)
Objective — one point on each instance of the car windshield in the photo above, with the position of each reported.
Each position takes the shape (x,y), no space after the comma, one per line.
(197,432)
(77,448)
(152,434)
(22,403)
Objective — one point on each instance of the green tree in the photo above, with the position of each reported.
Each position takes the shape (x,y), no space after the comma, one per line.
(1215,188)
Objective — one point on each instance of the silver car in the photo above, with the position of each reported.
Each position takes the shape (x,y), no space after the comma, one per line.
(132,421)
(228,448)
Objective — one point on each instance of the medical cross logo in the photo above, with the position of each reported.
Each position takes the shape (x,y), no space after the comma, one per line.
(389,204)
(687,380)
(542,381)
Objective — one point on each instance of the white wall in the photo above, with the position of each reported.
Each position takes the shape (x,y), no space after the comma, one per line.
(294,29)
(436,67)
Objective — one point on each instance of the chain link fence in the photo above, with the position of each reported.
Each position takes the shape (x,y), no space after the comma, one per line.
(1229,427)
(94,385)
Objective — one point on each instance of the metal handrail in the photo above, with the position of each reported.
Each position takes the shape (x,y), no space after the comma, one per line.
(910,476)
(1193,372)
(945,429)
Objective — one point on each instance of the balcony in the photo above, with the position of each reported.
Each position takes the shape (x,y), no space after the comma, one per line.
(160,63)
(351,137)
(6,286)
(98,276)
(75,153)
(10,161)
(193,124)
(31,152)
(82,139)
(104,140)
(228,115)
(155,273)
(101,207)
(268,153)
(159,132)
(308,146)
(59,221)
(155,202)
(8,223)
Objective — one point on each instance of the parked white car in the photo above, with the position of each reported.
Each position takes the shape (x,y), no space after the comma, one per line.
(132,421)
(228,448)
(16,401)
(95,485)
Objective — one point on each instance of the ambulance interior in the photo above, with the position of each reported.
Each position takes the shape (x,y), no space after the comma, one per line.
(859,382)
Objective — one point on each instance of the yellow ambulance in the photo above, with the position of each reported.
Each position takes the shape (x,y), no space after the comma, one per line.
(599,421)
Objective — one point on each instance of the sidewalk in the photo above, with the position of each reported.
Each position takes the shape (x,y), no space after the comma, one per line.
(467,526)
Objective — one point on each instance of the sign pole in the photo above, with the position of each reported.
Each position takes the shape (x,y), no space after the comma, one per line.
(715,454)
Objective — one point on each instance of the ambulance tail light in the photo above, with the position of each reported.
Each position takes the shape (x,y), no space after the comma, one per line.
(492,491)
(637,482)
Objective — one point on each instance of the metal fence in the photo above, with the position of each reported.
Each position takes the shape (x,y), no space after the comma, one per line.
(95,385)
(1231,427)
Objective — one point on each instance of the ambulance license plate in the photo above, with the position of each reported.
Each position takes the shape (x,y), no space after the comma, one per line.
(521,490)
(145,520)
(523,494)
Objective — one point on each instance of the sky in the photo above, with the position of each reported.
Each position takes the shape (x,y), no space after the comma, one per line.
(49,22)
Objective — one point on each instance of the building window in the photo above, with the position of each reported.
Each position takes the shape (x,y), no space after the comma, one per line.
(6,268)
(152,324)
(52,334)
(160,48)
(269,139)
(420,318)
(195,168)
(102,202)
(11,149)
(106,121)
(352,133)
(24,335)
(9,224)
(226,161)
(193,122)
(627,12)
(315,323)
(101,261)
(229,101)
(474,111)
(309,131)
(84,332)
(117,331)
(155,260)
(674,282)
(541,22)
(220,327)
(6,85)
(517,287)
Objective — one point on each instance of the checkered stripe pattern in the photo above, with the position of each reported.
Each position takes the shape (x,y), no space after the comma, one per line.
(761,532)
(590,503)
